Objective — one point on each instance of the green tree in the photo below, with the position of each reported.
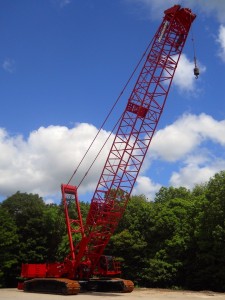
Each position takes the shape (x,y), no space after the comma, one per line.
(165,194)
(169,238)
(209,237)
(129,248)
(128,243)
(54,224)
(27,210)
(8,249)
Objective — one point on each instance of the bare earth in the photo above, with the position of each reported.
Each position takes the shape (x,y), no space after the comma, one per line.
(142,294)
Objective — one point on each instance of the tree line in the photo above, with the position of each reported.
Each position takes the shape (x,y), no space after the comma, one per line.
(175,241)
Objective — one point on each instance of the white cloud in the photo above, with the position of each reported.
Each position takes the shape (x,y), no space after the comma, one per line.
(221,41)
(48,158)
(145,186)
(184,143)
(9,65)
(213,8)
(185,135)
(184,77)
(193,173)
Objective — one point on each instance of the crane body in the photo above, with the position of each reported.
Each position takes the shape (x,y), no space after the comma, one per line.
(134,134)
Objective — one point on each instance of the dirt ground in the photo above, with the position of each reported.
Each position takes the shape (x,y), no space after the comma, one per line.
(139,294)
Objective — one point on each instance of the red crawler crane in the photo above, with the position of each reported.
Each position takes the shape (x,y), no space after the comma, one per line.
(133,137)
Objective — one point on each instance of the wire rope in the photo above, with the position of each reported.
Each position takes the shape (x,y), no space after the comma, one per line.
(104,122)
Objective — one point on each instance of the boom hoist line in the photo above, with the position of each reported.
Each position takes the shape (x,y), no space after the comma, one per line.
(134,134)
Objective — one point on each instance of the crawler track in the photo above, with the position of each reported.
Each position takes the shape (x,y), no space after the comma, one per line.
(105,285)
(65,286)
(52,286)
(128,286)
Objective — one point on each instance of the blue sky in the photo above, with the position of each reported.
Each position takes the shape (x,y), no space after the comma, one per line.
(63,63)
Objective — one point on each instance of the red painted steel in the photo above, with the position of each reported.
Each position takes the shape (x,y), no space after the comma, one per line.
(33,270)
(131,143)
(136,129)
(69,194)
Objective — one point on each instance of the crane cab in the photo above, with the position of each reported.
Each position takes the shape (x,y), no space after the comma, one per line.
(108,266)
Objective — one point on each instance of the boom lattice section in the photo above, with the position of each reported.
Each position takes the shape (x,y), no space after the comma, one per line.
(136,129)
(133,137)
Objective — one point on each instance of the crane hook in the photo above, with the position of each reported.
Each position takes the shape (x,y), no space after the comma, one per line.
(196,72)
(196,69)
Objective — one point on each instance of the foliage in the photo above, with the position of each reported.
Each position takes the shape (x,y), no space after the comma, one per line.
(35,230)
(8,248)
(27,211)
(177,240)
(209,237)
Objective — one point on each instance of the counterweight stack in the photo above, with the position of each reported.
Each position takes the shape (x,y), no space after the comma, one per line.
(131,143)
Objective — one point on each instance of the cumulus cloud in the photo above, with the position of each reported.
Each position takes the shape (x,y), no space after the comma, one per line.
(184,143)
(184,77)
(194,173)
(48,158)
(145,186)
(185,135)
(214,8)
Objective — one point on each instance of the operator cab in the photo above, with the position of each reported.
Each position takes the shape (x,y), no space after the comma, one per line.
(108,266)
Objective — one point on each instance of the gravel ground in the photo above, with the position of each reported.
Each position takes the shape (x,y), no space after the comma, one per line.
(142,294)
